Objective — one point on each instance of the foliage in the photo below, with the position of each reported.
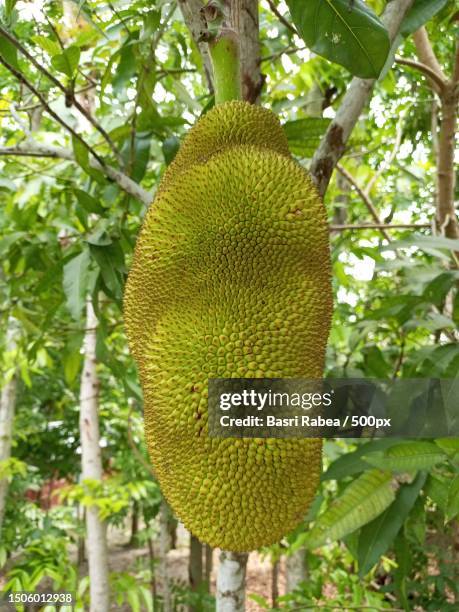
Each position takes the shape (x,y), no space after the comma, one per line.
(67,229)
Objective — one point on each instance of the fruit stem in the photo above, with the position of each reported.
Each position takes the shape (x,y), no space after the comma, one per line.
(224,53)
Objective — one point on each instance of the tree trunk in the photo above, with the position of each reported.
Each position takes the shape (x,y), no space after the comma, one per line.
(448,93)
(191,15)
(231,582)
(244,20)
(81,553)
(208,565)
(164,548)
(134,524)
(91,468)
(7,405)
(275,583)
(195,564)
(151,557)
(446,215)
(296,569)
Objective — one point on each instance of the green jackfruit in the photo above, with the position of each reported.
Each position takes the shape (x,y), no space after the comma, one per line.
(230,278)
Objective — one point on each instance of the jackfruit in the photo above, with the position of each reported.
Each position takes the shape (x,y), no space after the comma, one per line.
(230,279)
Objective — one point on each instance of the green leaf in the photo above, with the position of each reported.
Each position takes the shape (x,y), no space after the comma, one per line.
(142,145)
(407,457)
(82,158)
(437,490)
(346,33)
(170,148)
(448,445)
(424,242)
(108,260)
(420,12)
(72,363)
(8,52)
(452,505)
(439,286)
(89,203)
(76,283)
(353,463)
(376,537)
(81,153)
(261,601)
(304,135)
(404,561)
(50,46)
(363,500)
(67,61)
(127,67)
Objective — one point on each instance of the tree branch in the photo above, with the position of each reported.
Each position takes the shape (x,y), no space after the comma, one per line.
(385,226)
(34,149)
(434,78)
(366,200)
(281,18)
(69,94)
(22,79)
(446,217)
(334,141)
(426,53)
(456,65)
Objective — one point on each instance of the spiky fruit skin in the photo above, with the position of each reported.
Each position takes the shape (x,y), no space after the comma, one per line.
(230,278)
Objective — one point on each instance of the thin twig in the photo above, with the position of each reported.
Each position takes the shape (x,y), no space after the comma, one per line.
(400,358)
(22,79)
(340,607)
(281,18)
(14,41)
(389,226)
(30,107)
(365,198)
(34,149)
(286,51)
(426,71)
(426,53)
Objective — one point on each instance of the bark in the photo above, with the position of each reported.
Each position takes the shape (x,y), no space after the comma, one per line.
(81,553)
(341,201)
(275,583)
(164,547)
(231,582)
(91,468)
(208,564)
(296,569)
(191,15)
(447,221)
(7,406)
(151,558)
(134,524)
(334,141)
(448,93)
(425,52)
(245,21)
(195,568)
